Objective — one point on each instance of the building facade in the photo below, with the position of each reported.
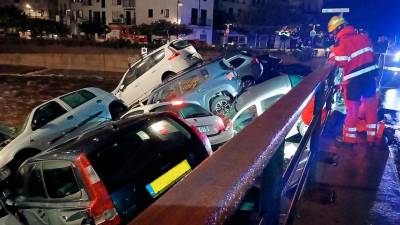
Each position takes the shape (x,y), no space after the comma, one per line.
(196,14)
(40,9)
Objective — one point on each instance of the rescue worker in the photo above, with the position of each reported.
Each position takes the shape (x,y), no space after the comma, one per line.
(353,52)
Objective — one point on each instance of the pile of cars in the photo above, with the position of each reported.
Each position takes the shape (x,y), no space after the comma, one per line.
(91,156)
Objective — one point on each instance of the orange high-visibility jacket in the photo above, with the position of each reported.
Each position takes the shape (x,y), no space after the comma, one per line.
(354,53)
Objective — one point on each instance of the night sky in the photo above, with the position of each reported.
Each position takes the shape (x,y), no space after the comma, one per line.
(376,16)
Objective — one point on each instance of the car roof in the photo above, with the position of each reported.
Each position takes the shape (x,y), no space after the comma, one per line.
(93,140)
(94,90)
(280,83)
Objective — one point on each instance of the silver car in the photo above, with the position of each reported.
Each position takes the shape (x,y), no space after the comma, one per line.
(257,99)
(218,129)
(56,121)
(213,86)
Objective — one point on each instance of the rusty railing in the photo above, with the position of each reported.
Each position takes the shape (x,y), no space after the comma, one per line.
(212,193)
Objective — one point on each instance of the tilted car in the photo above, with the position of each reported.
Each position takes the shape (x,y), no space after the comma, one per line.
(150,71)
(109,175)
(56,120)
(257,99)
(213,86)
(248,68)
(218,129)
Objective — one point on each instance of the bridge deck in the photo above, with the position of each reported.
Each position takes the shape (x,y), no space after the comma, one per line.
(351,185)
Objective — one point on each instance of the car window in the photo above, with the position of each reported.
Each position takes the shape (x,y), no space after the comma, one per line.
(185,111)
(245,118)
(60,180)
(267,103)
(47,113)
(78,98)
(144,153)
(29,182)
(237,62)
(179,45)
(138,70)
(158,56)
(167,93)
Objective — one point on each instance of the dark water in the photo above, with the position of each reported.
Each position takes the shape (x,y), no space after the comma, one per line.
(19,94)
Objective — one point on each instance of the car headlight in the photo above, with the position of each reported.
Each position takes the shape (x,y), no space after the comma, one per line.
(397,57)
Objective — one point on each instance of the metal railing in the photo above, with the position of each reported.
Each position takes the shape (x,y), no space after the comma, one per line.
(213,192)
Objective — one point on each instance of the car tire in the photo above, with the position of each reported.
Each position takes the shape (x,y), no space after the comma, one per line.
(248,82)
(167,75)
(221,104)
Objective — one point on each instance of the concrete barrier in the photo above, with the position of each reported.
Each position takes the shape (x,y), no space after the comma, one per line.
(116,62)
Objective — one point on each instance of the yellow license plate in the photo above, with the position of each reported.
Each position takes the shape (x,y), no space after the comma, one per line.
(169,178)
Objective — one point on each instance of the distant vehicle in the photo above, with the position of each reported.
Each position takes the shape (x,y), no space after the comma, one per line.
(149,72)
(109,175)
(257,99)
(55,121)
(248,68)
(217,128)
(213,86)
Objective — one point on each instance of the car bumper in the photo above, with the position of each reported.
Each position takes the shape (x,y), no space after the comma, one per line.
(221,138)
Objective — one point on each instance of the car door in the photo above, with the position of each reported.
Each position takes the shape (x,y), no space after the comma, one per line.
(49,123)
(86,107)
(134,87)
(244,118)
(67,200)
(30,194)
(156,68)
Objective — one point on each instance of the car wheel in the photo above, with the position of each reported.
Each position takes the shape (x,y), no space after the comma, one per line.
(221,104)
(167,76)
(248,82)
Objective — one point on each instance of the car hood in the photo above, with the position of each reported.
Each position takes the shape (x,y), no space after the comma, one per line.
(7,134)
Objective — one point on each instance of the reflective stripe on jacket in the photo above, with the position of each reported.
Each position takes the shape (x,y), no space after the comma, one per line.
(353,51)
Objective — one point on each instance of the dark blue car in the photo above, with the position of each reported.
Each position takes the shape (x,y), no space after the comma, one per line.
(109,175)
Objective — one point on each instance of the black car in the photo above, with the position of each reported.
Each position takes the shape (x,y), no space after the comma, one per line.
(108,175)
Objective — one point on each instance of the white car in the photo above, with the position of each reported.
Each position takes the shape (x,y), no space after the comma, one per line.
(218,129)
(56,121)
(149,72)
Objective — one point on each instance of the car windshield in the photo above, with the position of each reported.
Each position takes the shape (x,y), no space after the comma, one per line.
(21,128)
(186,111)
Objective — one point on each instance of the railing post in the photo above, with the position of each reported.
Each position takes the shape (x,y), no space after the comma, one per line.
(271,189)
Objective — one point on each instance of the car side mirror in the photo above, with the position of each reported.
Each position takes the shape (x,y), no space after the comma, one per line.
(10,202)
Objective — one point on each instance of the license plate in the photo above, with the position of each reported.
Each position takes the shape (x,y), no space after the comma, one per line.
(163,182)
(204,129)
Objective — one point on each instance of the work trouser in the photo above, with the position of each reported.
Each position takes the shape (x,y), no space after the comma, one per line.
(356,88)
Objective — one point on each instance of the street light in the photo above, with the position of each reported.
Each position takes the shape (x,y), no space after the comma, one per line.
(178,4)
(28,6)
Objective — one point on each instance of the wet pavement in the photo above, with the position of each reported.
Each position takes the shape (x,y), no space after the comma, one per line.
(20,94)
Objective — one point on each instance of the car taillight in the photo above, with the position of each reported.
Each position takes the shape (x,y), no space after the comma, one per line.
(101,207)
(230,75)
(221,125)
(255,60)
(174,54)
(203,138)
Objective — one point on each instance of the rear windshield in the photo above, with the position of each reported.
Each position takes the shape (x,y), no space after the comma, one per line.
(179,45)
(144,153)
(78,98)
(185,111)
(179,87)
